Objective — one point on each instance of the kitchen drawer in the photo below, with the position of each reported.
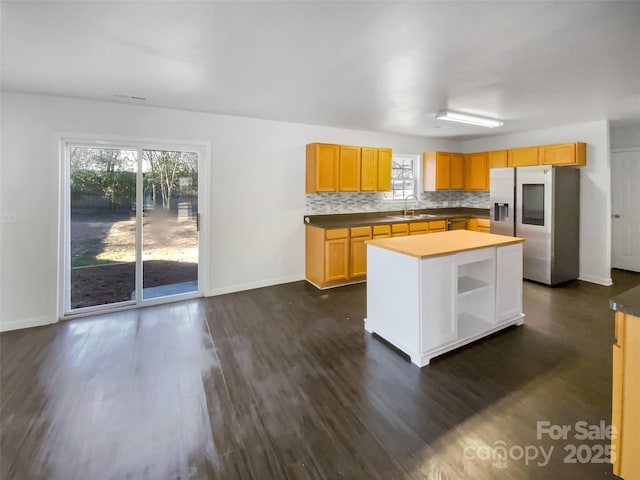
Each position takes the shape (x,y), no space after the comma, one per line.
(437,225)
(399,229)
(336,233)
(484,222)
(418,227)
(381,230)
(360,232)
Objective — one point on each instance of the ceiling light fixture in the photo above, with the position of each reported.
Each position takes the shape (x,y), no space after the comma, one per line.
(470,119)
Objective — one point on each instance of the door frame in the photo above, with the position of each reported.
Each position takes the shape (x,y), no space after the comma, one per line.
(613,152)
(203,148)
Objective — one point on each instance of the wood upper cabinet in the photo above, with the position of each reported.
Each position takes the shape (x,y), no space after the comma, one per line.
(497,159)
(456,175)
(563,154)
(322,167)
(522,157)
(384,169)
(349,169)
(476,172)
(359,235)
(369,169)
(336,260)
(442,171)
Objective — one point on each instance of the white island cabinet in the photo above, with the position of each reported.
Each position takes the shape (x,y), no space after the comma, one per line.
(429,294)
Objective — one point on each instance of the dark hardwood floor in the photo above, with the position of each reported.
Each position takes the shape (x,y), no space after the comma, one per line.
(284,383)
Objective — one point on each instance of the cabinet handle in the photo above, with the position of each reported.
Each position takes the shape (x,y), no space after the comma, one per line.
(615,215)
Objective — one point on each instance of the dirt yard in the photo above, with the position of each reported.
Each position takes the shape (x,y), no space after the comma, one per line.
(103,255)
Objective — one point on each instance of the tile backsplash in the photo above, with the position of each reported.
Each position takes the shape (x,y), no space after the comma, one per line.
(351,202)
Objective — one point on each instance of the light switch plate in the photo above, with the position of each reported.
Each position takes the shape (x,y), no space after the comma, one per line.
(9,217)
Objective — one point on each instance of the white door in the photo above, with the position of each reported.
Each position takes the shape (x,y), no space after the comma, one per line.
(625,210)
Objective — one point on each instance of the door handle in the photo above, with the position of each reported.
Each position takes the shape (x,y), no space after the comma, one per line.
(615,215)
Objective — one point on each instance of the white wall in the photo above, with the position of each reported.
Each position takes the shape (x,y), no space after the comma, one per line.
(627,136)
(595,188)
(257,235)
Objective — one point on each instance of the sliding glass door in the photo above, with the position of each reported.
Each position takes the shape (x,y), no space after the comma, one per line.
(131,226)
(170,223)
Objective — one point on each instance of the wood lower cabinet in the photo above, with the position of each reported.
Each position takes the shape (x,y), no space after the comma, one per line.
(479,225)
(369,169)
(563,154)
(626,397)
(322,167)
(327,255)
(336,260)
(522,157)
(358,254)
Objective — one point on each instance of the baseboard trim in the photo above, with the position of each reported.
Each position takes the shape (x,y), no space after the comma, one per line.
(607,282)
(26,323)
(250,286)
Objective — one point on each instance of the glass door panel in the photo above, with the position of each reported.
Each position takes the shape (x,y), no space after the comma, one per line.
(102,225)
(170,223)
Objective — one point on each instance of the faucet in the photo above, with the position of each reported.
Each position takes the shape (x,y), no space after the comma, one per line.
(405,202)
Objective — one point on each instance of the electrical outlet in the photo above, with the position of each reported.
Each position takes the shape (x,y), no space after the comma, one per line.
(9,217)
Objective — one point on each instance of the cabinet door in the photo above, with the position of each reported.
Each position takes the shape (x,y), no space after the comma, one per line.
(522,157)
(456,175)
(476,172)
(497,159)
(563,154)
(443,171)
(472,224)
(322,167)
(359,235)
(438,314)
(336,259)
(384,169)
(509,282)
(349,175)
(368,169)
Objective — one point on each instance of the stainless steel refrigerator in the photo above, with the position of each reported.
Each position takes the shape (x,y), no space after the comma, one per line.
(541,205)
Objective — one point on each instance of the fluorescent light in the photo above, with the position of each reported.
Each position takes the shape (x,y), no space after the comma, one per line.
(470,119)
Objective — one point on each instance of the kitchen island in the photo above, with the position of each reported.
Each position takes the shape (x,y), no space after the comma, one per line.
(430,294)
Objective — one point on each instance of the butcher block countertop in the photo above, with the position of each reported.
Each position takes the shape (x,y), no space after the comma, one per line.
(443,243)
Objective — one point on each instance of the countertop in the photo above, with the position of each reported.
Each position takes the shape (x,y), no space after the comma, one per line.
(443,243)
(344,220)
(627,302)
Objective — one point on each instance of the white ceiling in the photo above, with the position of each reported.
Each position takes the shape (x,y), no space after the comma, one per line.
(384,66)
